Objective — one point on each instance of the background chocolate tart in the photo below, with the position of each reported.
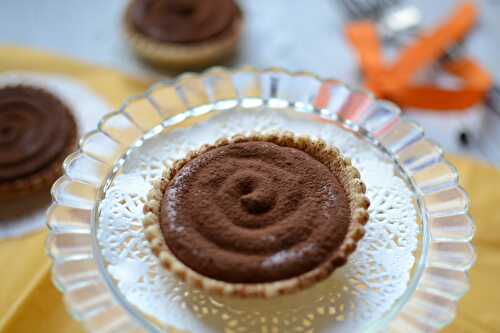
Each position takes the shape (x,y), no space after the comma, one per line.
(183,33)
(37,131)
(257,216)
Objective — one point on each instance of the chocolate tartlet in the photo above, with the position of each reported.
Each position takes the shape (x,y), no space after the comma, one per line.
(37,131)
(183,33)
(257,216)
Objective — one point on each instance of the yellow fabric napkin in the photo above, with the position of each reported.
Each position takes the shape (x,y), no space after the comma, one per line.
(478,310)
(30,303)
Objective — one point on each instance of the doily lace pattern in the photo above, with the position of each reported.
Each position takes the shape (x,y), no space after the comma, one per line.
(376,275)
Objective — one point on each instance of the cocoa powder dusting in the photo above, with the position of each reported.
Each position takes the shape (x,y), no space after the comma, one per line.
(254,212)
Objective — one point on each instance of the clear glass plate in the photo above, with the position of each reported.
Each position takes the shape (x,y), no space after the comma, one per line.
(101,273)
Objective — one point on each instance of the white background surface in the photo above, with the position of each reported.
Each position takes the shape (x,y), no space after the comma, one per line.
(295,34)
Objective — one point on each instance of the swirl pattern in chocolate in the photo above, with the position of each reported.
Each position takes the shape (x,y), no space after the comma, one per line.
(182,21)
(254,212)
(35,128)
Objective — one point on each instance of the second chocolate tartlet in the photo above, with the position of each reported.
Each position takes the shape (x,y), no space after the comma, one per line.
(257,216)
(37,131)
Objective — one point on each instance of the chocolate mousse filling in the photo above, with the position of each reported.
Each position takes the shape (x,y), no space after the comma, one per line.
(182,21)
(254,212)
(36,129)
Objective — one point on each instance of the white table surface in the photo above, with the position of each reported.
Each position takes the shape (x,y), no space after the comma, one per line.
(295,34)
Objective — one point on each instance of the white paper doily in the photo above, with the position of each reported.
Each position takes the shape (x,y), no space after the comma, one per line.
(19,218)
(361,292)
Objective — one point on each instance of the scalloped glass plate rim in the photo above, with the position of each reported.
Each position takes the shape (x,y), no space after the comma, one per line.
(195,111)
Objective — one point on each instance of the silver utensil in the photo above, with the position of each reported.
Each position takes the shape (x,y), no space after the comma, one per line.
(394,19)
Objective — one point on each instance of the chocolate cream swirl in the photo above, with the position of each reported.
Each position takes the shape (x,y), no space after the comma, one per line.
(254,212)
(182,21)
(34,130)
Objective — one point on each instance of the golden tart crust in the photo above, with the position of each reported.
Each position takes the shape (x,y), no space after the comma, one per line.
(341,167)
